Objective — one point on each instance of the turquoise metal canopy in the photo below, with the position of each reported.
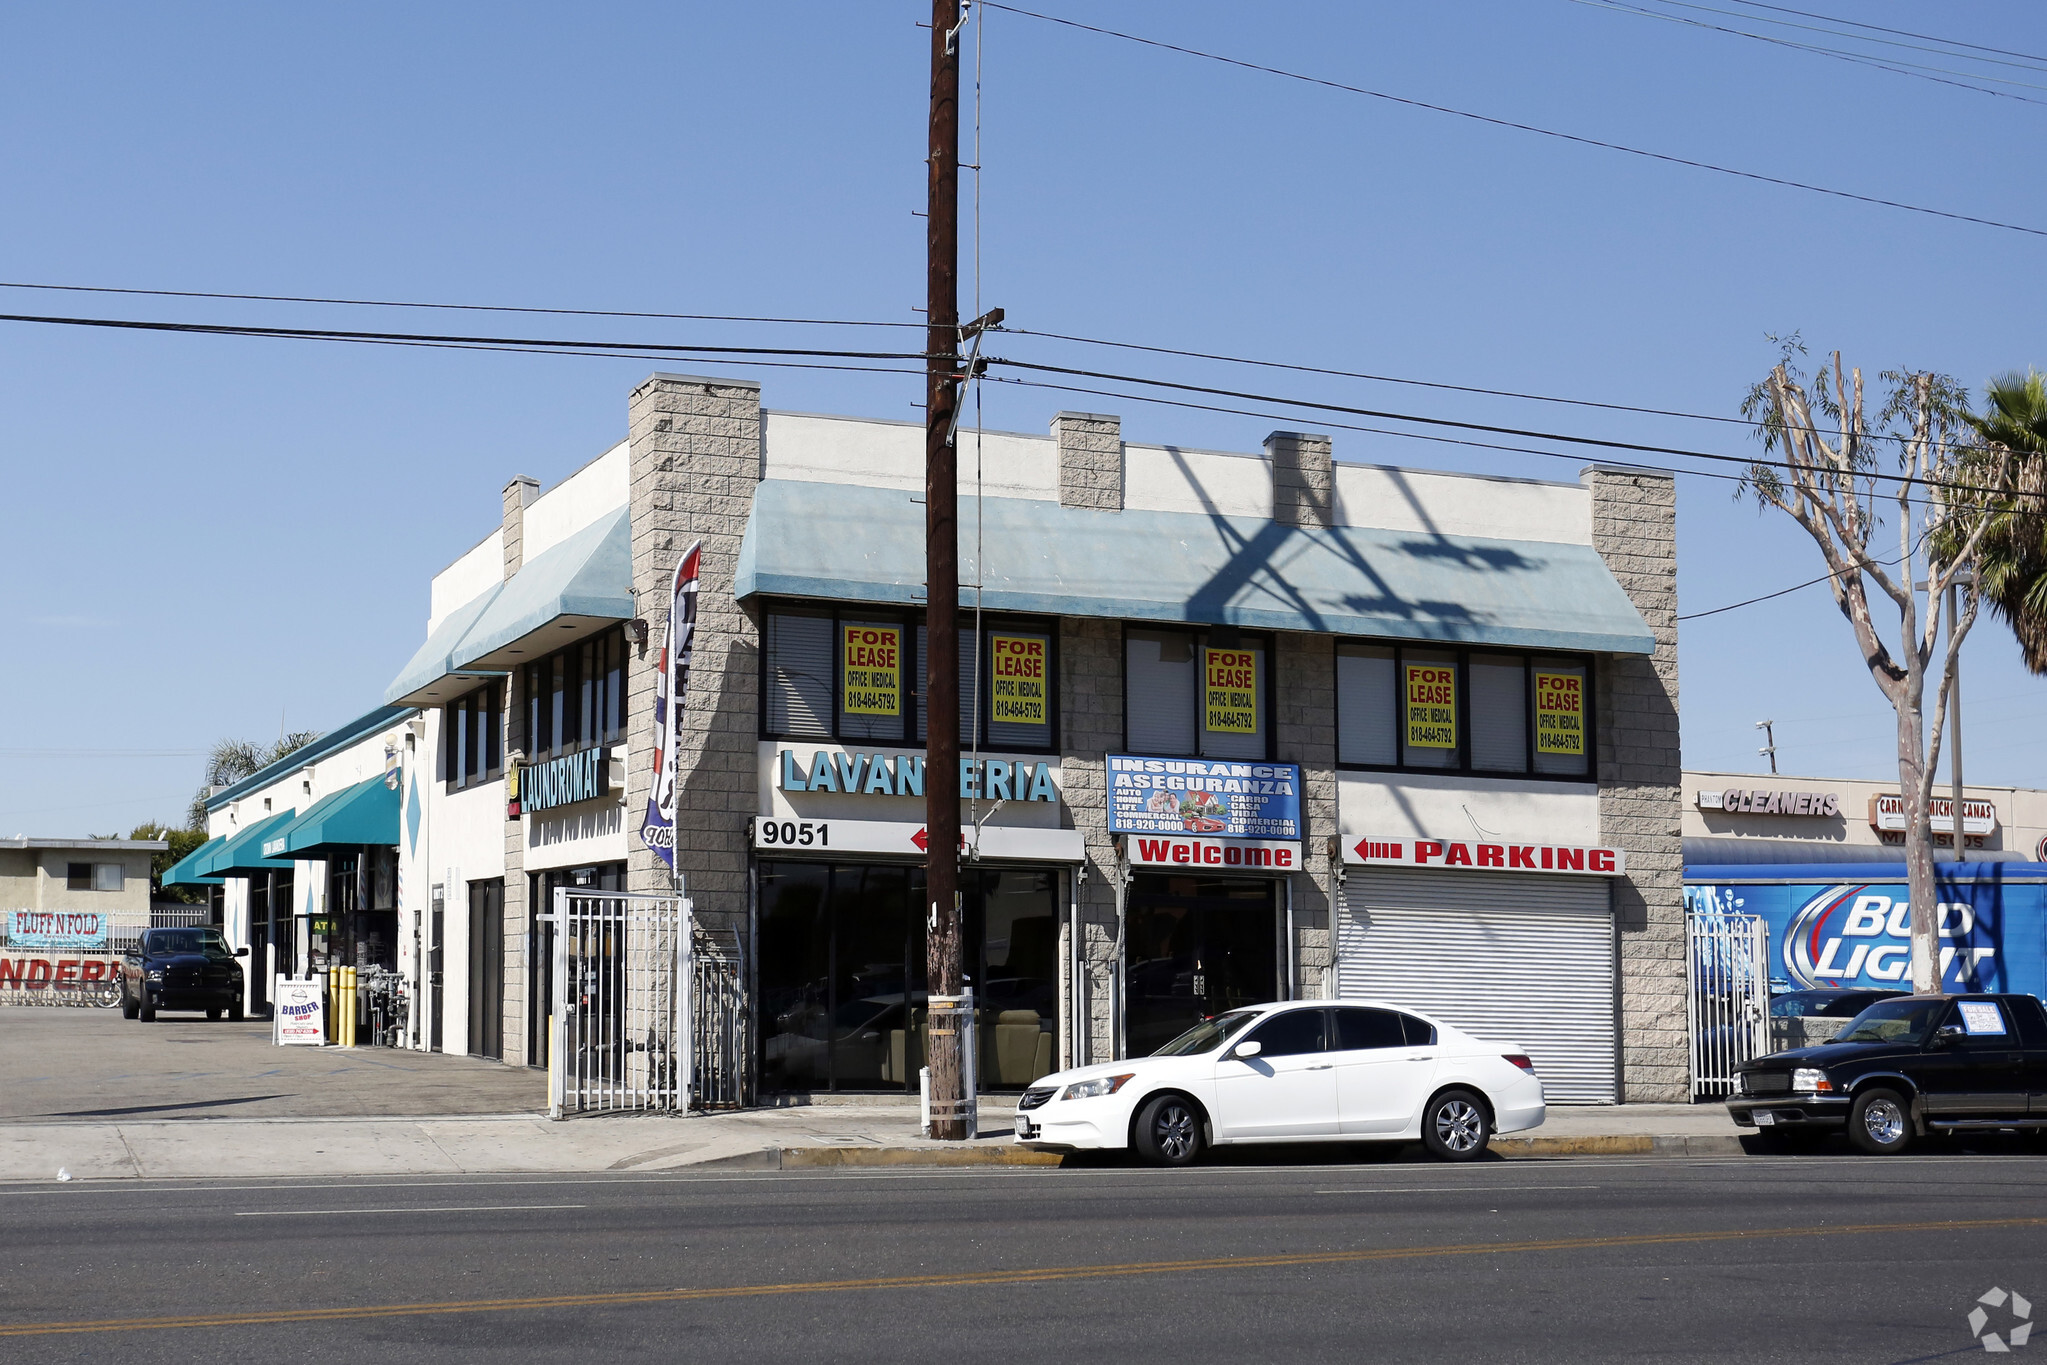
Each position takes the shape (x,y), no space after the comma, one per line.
(863,544)
(242,854)
(366,813)
(583,582)
(185,871)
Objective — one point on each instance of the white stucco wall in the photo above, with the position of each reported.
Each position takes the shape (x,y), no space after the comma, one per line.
(474,574)
(1411,805)
(885,454)
(599,487)
(1423,501)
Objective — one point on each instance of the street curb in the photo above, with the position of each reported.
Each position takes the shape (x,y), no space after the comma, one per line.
(1618,1144)
(810,1158)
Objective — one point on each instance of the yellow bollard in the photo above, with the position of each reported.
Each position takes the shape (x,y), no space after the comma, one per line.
(333,1004)
(352,1000)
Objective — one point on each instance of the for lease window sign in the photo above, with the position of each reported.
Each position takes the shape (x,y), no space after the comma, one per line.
(1431,706)
(1230,693)
(1018,681)
(872,664)
(1559,713)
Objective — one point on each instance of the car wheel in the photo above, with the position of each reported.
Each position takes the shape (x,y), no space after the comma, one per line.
(1168,1131)
(1880,1122)
(128,1007)
(147,1008)
(234,1013)
(1455,1126)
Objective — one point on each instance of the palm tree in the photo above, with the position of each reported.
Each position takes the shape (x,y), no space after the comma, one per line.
(232,760)
(2014,551)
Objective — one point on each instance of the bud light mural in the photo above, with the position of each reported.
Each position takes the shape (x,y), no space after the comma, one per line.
(1830,930)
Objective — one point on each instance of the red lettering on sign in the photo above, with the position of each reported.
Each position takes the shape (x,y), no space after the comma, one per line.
(1521,855)
(1425,849)
(1460,856)
(1600,859)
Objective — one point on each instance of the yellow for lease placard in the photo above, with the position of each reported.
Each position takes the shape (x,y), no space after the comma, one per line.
(871,662)
(1431,706)
(1230,693)
(1018,680)
(1559,713)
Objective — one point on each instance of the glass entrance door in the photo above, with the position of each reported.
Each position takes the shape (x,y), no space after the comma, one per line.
(1194,947)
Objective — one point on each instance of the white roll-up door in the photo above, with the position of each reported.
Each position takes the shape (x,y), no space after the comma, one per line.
(1511,959)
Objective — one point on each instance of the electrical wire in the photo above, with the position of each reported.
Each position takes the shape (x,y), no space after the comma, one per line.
(1583,141)
(1835,33)
(450,307)
(1901,32)
(1896,66)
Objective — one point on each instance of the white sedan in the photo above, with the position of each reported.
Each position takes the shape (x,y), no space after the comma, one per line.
(1306,1071)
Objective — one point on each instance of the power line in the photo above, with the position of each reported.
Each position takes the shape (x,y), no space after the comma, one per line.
(1896,66)
(1524,127)
(450,307)
(2029,66)
(1901,32)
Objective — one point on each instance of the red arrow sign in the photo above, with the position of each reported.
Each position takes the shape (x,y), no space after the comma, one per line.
(921,840)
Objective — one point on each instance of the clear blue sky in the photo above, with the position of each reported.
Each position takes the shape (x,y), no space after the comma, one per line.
(212,537)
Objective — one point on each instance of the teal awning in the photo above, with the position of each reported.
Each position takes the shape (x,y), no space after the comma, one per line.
(366,813)
(242,854)
(566,590)
(863,544)
(186,871)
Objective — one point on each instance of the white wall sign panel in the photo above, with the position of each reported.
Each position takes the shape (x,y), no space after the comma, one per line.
(779,834)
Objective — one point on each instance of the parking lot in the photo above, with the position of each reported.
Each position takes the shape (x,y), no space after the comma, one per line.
(92,1065)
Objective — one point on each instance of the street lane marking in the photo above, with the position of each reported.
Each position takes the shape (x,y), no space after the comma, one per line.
(449,1208)
(971,1279)
(1457,1189)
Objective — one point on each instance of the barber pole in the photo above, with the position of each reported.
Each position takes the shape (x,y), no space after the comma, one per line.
(671,690)
(1487,856)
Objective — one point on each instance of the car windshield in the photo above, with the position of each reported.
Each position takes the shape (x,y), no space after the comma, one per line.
(1207,1035)
(1903,1020)
(186,941)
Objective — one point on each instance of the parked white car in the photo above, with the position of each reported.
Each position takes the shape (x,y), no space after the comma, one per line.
(1305,1071)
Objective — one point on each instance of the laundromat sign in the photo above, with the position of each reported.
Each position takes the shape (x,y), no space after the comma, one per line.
(858,774)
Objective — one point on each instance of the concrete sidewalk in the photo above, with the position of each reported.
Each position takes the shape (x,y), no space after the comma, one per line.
(863,1131)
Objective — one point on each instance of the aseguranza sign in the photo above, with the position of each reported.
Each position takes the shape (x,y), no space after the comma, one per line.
(71,929)
(1486,856)
(1219,797)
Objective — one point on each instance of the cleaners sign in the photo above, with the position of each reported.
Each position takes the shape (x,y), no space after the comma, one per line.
(1218,797)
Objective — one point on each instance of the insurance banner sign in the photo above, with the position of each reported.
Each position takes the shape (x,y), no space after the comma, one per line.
(1218,797)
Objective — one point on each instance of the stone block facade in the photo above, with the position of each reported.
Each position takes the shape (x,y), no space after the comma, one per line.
(1091,710)
(1634,528)
(694,447)
(1303,478)
(1090,460)
(1305,730)
(518,495)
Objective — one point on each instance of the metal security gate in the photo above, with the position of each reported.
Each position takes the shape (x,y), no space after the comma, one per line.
(1526,960)
(620,1038)
(721,1025)
(1727,961)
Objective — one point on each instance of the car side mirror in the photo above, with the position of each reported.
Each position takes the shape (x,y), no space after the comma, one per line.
(1244,1052)
(1947,1035)
(241,952)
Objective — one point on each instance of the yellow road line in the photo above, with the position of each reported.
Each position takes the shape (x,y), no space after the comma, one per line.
(1028,1275)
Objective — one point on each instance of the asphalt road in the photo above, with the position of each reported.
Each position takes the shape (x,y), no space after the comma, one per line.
(1807,1258)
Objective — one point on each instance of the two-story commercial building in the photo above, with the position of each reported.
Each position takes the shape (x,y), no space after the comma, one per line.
(1235,727)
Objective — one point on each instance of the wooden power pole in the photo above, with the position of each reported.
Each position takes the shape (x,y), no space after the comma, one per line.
(950,1104)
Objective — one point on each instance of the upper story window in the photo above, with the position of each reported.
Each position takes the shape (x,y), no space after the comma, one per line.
(1204,694)
(575,699)
(855,674)
(94,876)
(473,737)
(1463,710)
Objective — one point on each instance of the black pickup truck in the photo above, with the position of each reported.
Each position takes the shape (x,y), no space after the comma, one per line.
(181,969)
(1907,1067)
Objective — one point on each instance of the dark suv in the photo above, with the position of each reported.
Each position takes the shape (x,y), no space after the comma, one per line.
(1907,1067)
(181,969)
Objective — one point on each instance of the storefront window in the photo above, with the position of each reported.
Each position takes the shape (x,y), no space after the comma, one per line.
(1195,947)
(842,980)
(857,676)
(472,737)
(1476,711)
(1205,694)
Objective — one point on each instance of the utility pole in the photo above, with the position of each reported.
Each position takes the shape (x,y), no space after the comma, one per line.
(1769,743)
(950,1104)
